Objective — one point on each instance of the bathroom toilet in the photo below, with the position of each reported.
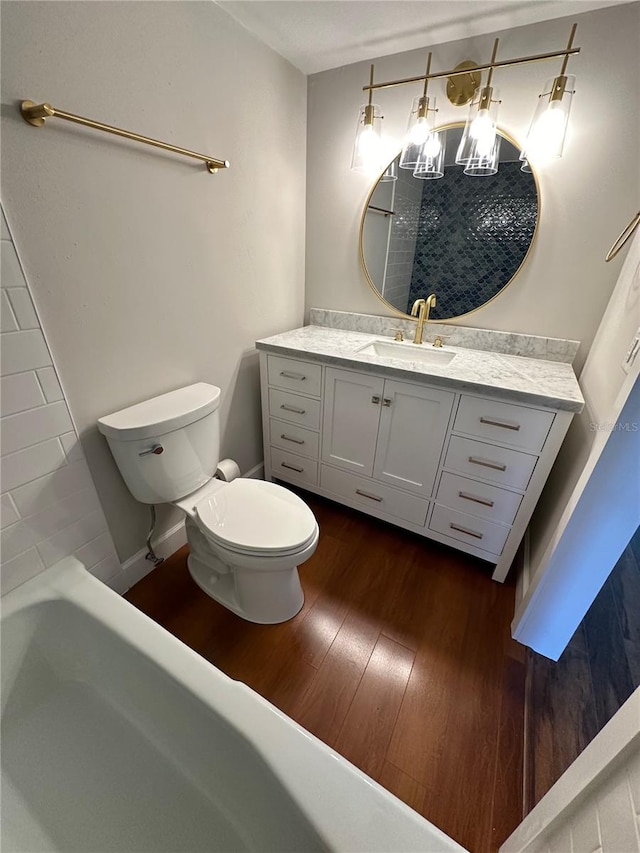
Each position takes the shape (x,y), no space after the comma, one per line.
(246,537)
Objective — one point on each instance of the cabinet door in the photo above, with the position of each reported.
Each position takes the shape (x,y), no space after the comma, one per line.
(351,416)
(413,426)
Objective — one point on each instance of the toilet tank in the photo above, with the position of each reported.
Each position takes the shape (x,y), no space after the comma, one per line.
(169,446)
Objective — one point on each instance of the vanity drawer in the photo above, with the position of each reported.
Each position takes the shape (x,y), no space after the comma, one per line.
(293,438)
(480,499)
(294,408)
(294,375)
(517,426)
(372,495)
(288,466)
(469,528)
(488,462)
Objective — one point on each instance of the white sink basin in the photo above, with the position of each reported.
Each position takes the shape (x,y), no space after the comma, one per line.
(421,353)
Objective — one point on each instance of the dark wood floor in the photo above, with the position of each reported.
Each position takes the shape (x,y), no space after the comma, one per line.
(573,699)
(400,659)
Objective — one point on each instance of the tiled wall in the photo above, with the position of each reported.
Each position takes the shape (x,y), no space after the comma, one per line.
(607,821)
(471,243)
(595,806)
(402,239)
(49,506)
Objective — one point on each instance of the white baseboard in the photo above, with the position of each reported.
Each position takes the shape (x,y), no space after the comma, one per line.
(256,473)
(136,567)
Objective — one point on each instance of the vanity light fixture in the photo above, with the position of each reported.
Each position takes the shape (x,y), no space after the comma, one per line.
(368,148)
(430,165)
(479,147)
(420,133)
(480,144)
(548,129)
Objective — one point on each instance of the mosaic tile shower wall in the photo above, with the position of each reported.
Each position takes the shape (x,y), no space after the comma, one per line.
(469,244)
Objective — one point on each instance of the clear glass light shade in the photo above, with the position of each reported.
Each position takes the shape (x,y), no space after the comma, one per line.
(430,165)
(368,149)
(391,172)
(419,128)
(480,132)
(548,129)
(483,160)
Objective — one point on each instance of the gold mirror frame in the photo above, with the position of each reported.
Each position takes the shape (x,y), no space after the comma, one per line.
(396,311)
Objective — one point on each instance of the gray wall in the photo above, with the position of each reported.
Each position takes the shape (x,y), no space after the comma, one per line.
(147,272)
(587,197)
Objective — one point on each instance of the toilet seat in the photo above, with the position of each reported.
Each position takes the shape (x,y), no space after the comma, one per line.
(255,517)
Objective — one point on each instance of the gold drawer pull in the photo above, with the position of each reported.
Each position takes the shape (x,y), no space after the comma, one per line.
(487,464)
(293,409)
(292,467)
(367,495)
(294,440)
(466,530)
(288,375)
(477,500)
(502,424)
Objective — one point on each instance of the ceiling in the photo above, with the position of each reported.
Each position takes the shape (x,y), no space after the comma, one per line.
(315,35)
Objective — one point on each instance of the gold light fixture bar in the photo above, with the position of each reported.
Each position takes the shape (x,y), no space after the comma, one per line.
(503,63)
(36,114)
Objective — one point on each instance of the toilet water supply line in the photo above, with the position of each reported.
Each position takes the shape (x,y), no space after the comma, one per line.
(226,471)
(151,554)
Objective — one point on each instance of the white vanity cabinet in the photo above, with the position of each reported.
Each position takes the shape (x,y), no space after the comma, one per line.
(386,429)
(462,468)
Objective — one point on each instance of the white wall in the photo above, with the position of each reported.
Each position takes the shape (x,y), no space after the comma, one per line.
(49,506)
(586,198)
(602,381)
(149,273)
(597,523)
(591,504)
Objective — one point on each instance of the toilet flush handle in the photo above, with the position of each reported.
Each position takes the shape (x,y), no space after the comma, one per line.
(157,449)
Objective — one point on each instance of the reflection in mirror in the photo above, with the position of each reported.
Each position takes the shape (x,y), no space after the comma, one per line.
(461,237)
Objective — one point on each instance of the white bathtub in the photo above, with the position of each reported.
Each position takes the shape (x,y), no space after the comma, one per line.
(116,736)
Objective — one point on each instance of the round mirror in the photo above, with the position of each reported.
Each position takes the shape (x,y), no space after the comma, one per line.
(462,237)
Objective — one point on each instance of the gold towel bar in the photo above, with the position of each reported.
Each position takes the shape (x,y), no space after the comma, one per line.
(622,239)
(36,114)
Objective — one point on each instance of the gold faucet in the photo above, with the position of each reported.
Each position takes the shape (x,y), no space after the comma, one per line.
(421,308)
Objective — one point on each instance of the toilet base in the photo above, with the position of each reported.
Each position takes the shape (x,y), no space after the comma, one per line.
(263,597)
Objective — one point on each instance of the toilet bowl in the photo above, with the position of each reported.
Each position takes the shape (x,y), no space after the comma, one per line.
(246,537)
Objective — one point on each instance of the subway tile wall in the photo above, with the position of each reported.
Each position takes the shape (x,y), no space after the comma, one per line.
(605,820)
(595,805)
(49,508)
(406,201)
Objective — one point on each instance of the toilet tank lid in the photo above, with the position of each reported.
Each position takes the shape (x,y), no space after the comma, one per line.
(161,414)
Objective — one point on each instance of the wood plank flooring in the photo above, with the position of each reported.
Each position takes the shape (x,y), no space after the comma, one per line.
(573,699)
(400,659)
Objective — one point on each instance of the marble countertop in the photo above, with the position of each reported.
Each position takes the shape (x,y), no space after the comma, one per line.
(536,381)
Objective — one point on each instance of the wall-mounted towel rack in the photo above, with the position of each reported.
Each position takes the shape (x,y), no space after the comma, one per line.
(622,239)
(36,114)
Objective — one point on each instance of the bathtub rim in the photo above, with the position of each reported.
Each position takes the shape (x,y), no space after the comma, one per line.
(348,809)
